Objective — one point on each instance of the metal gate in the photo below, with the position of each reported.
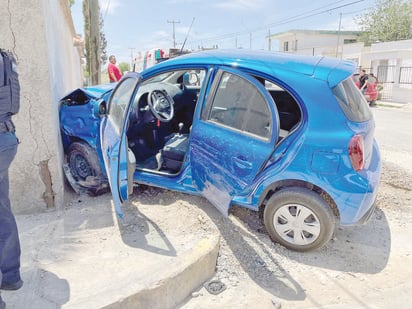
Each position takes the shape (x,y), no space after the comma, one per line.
(405,77)
(386,77)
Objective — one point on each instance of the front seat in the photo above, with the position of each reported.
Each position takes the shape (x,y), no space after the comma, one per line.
(174,151)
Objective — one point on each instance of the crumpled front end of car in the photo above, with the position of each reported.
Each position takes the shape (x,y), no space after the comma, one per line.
(80,117)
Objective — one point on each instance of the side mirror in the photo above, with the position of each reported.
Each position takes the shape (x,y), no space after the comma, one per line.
(100,109)
(190,79)
(193,79)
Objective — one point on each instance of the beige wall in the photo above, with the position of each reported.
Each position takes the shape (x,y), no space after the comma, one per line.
(40,33)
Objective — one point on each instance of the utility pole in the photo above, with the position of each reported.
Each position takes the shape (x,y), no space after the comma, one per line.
(174,36)
(250,40)
(269,41)
(131,57)
(337,43)
(94,43)
(184,42)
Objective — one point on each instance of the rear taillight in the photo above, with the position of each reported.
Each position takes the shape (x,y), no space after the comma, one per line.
(356,152)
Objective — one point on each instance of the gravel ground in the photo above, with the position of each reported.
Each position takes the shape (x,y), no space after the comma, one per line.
(365,266)
(361,267)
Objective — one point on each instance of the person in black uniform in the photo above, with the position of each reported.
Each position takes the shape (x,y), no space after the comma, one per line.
(9,238)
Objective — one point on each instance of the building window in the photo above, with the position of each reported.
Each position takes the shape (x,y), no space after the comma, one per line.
(285,46)
(349,41)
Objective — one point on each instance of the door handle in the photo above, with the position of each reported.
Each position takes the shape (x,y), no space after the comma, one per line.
(211,150)
(242,163)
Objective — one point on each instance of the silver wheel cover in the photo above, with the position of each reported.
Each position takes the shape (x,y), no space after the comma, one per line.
(296,224)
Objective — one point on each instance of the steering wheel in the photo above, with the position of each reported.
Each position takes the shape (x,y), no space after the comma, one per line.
(161,105)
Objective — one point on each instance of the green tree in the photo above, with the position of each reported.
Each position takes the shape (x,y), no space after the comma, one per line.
(124,66)
(103,41)
(389,20)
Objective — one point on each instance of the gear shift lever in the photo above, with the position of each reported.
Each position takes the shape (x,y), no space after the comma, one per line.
(181,125)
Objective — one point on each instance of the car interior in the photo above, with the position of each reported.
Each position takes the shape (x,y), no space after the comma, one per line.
(163,110)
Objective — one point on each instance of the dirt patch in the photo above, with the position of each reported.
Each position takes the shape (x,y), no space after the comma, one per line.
(363,266)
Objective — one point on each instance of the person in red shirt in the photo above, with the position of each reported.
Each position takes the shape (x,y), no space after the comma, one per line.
(113,70)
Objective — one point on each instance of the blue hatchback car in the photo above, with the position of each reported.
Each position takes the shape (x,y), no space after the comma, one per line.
(288,136)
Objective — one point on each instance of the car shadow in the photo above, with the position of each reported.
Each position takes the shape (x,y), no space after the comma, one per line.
(361,248)
(265,269)
(355,249)
(258,260)
(136,229)
(139,231)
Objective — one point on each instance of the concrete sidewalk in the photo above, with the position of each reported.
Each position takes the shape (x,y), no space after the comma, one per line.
(389,103)
(84,257)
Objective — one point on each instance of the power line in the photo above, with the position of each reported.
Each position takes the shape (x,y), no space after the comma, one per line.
(107,8)
(281,22)
(174,37)
(295,18)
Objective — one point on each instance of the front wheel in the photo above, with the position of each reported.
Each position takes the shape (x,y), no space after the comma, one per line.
(299,219)
(84,166)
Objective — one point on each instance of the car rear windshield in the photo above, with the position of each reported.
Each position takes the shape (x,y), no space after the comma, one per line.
(352,101)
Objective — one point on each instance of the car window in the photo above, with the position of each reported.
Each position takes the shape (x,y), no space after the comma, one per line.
(352,101)
(238,104)
(119,102)
(158,78)
(192,77)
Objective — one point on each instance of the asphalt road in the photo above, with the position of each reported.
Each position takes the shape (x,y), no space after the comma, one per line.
(393,126)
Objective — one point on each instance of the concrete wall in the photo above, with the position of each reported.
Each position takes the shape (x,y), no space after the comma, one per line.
(40,33)
(397,54)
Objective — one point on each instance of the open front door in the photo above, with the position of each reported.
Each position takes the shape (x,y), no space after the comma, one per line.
(234,138)
(119,161)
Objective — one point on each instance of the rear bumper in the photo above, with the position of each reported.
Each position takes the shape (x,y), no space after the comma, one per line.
(367,215)
(357,206)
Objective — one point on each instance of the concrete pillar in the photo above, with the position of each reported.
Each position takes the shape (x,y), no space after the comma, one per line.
(40,34)
(397,73)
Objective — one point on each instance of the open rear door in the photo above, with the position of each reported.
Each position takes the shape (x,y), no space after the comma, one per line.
(234,138)
(119,160)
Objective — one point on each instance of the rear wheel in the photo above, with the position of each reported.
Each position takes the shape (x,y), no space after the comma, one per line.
(299,219)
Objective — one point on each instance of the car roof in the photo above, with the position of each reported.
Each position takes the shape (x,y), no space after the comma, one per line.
(332,70)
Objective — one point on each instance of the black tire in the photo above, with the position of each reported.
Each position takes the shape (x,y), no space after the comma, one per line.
(84,162)
(283,211)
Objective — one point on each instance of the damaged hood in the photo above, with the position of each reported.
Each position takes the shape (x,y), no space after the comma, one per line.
(82,95)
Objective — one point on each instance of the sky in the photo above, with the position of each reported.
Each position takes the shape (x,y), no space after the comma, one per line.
(133,26)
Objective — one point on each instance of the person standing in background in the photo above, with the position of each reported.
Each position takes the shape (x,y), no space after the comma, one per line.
(363,81)
(9,238)
(113,70)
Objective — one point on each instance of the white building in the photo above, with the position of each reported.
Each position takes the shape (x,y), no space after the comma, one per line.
(315,42)
(391,62)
